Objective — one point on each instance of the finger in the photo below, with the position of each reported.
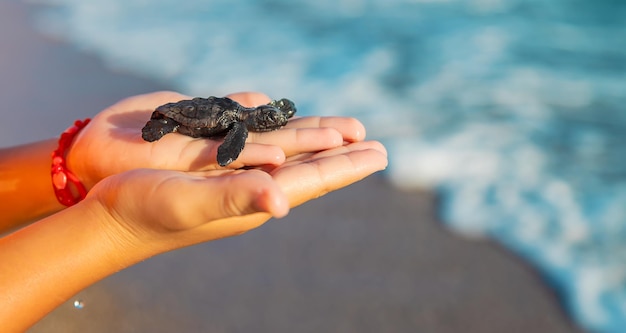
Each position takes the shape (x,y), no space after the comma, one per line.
(363,145)
(201,154)
(304,181)
(258,154)
(350,128)
(300,140)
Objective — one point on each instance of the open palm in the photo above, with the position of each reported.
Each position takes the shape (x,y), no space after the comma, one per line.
(112,142)
(191,207)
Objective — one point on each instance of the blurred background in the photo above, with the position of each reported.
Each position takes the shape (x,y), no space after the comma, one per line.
(504,120)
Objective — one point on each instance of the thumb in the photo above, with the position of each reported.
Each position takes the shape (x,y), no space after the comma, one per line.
(196,200)
(241,193)
(169,201)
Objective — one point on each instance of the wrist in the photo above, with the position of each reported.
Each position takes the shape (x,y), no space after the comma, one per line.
(57,257)
(68,188)
(29,194)
(132,240)
(121,246)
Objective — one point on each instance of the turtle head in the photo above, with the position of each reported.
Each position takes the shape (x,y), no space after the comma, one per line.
(268,117)
(285,106)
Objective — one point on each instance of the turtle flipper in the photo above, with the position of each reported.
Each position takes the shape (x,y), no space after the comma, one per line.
(233,144)
(156,128)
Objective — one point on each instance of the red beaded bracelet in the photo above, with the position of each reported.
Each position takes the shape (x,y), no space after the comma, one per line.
(61,175)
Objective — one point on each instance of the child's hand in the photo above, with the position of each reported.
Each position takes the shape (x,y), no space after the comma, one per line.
(163,210)
(112,142)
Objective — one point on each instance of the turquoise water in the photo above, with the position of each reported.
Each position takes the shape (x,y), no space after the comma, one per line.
(513,110)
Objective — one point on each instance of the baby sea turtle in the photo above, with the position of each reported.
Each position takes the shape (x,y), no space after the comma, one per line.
(218,116)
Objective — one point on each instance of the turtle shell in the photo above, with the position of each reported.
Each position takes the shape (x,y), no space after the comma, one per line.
(214,113)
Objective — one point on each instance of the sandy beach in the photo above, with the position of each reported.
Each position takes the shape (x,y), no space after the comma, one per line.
(369,258)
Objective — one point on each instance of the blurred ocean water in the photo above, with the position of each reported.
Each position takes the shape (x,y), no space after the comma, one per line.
(514,110)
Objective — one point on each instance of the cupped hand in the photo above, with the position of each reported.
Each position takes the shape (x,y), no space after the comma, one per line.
(112,142)
(164,210)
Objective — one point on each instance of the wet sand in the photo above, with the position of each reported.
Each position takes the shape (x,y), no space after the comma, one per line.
(368,258)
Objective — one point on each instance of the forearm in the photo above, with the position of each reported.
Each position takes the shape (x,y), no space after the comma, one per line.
(47,262)
(26,192)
